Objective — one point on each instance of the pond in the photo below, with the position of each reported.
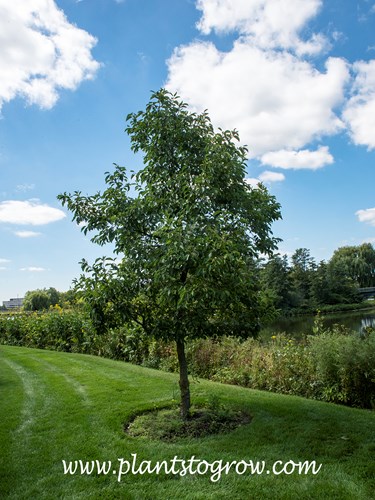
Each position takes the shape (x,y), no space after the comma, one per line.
(302,325)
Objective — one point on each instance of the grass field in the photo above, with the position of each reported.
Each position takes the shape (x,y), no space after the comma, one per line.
(57,406)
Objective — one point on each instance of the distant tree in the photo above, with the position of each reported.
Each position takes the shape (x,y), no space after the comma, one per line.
(187,229)
(37,300)
(367,254)
(68,298)
(275,277)
(342,287)
(301,274)
(54,296)
(357,262)
(321,286)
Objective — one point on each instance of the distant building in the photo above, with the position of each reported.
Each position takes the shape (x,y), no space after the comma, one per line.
(13,303)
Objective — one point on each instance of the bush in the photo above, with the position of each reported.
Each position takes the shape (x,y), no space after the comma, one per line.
(283,365)
(345,367)
(332,365)
(56,329)
(367,304)
(12,329)
(123,343)
(206,356)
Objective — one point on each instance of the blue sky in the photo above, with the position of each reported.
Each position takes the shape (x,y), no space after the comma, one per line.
(296,78)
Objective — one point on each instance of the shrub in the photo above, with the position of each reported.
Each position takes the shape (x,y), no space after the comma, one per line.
(57,329)
(332,365)
(123,343)
(283,365)
(12,329)
(345,367)
(207,356)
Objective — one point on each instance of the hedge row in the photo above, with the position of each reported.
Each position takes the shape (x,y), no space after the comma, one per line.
(333,365)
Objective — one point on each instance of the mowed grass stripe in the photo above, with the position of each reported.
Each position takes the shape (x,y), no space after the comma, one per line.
(69,424)
(79,407)
(72,382)
(49,406)
(27,382)
(11,410)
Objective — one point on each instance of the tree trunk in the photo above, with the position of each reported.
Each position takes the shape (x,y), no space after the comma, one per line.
(184,381)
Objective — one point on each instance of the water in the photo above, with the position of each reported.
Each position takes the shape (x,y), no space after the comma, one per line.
(302,325)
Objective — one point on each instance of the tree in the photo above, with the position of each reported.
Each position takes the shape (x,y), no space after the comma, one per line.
(37,300)
(275,277)
(187,229)
(303,267)
(321,289)
(343,288)
(357,262)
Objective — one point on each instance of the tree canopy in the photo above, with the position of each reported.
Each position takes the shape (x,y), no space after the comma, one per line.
(187,230)
(37,300)
(303,285)
(357,263)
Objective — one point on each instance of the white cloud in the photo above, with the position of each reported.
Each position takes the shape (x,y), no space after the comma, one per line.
(264,177)
(303,159)
(33,269)
(4,261)
(279,100)
(268,176)
(267,23)
(41,52)
(29,212)
(367,215)
(275,99)
(27,234)
(253,182)
(359,112)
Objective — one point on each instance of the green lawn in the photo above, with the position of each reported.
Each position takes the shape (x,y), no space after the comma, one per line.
(57,406)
